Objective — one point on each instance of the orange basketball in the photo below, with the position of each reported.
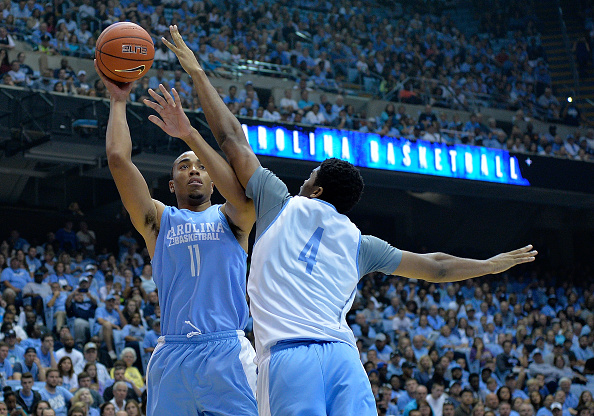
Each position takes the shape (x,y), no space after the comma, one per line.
(124,52)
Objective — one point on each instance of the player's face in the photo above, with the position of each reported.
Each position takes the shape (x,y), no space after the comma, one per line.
(308,188)
(190,178)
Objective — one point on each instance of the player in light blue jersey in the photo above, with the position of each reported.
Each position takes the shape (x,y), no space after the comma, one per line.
(306,263)
(202,364)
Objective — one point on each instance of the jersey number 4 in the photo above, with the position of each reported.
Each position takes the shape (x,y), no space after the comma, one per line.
(194,260)
(310,251)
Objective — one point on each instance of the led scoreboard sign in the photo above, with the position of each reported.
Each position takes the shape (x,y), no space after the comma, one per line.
(389,153)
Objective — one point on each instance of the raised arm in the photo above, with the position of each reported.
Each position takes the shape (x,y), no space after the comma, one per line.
(440,267)
(174,122)
(225,127)
(145,212)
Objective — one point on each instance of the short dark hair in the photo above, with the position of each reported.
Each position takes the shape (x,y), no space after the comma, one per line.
(342,183)
(26,375)
(51,370)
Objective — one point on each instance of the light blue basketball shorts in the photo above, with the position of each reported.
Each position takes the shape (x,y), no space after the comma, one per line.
(207,374)
(314,379)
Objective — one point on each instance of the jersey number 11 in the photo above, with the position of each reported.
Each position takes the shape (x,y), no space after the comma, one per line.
(194,260)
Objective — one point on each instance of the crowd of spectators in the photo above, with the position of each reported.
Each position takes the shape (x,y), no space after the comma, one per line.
(407,56)
(394,120)
(519,344)
(78,323)
(421,59)
(297,107)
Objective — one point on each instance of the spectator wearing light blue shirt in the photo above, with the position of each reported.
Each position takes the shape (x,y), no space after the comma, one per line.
(152,337)
(418,346)
(108,319)
(14,278)
(446,340)
(55,305)
(582,351)
(45,352)
(423,329)
(30,364)
(571,400)
(31,260)
(16,353)
(420,394)
(383,349)
(409,394)
(434,320)
(57,396)
(361,326)
(5,366)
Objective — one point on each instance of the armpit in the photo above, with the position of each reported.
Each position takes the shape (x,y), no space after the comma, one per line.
(150,221)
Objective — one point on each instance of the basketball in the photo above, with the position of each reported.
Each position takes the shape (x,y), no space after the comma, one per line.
(124,52)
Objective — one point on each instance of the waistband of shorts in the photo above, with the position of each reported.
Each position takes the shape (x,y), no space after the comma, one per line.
(199,338)
(282,345)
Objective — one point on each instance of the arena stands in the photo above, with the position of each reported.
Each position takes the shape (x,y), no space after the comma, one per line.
(398,55)
(519,344)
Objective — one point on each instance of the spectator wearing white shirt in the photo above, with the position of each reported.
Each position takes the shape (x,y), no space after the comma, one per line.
(315,116)
(20,10)
(384,351)
(432,133)
(271,114)
(287,103)
(68,22)
(437,398)
(164,57)
(6,41)
(86,10)
(68,351)
(83,34)
(401,323)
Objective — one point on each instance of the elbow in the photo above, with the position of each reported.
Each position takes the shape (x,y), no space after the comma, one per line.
(441,273)
(231,136)
(116,160)
(437,271)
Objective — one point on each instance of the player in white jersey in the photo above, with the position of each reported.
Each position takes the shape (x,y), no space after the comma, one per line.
(306,262)
(203,364)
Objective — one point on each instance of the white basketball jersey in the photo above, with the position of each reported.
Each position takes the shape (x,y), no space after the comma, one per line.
(303,275)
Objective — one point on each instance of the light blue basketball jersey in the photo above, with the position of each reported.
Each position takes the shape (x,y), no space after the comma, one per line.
(200,271)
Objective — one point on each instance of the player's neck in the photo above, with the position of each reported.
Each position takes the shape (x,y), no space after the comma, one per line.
(196,205)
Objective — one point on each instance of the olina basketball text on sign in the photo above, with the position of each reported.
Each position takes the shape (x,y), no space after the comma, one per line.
(389,153)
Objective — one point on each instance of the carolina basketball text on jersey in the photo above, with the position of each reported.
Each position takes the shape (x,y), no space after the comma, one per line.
(190,231)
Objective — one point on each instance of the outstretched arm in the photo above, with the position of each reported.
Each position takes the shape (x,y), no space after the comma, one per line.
(174,122)
(440,267)
(145,212)
(224,125)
